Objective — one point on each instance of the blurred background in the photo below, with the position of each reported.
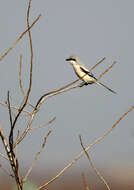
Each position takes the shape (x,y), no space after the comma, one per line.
(91,30)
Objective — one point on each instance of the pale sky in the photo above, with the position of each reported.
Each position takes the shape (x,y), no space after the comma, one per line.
(91,30)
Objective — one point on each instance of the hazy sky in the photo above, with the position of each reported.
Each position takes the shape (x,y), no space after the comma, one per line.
(90,30)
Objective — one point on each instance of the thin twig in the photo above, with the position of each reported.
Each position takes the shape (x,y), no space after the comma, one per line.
(97,63)
(4,141)
(5,170)
(36,157)
(29,128)
(20,83)
(16,148)
(43,125)
(19,38)
(110,67)
(11,129)
(20,78)
(12,157)
(3,156)
(93,166)
(11,135)
(85,182)
(31,69)
(16,108)
(54,92)
(26,130)
(9,108)
(87,149)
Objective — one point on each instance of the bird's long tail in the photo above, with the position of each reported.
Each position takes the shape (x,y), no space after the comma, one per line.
(97,82)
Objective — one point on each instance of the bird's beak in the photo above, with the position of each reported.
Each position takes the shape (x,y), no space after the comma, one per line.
(67,59)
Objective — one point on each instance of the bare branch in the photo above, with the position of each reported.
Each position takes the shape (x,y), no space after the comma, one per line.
(5,170)
(110,67)
(96,65)
(26,130)
(14,107)
(20,83)
(36,157)
(20,37)
(11,135)
(87,149)
(44,125)
(3,156)
(4,141)
(93,166)
(9,108)
(16,148)
(11,155)
(20,73)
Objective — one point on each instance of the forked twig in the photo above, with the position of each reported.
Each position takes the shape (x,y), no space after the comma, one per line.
(34,113)
(87,149)
(16,108)
(5,170)
(20,83)
(93,166)
(12,157)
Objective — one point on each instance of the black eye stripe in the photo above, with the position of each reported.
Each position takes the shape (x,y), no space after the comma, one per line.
(71,59)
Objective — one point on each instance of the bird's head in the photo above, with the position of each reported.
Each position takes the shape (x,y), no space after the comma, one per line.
(74,60)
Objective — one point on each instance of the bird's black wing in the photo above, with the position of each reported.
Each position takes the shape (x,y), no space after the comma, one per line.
(87,72)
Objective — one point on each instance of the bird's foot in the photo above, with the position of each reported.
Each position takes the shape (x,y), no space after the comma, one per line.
(83,84)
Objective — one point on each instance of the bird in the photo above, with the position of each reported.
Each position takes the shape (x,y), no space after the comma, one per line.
(85,74)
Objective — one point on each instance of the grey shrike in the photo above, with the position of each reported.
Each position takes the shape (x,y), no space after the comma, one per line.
(83,73)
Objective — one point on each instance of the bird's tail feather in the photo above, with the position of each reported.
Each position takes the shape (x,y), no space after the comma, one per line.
(97,82)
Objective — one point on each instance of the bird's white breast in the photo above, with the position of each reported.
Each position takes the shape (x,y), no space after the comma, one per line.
(82,75)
